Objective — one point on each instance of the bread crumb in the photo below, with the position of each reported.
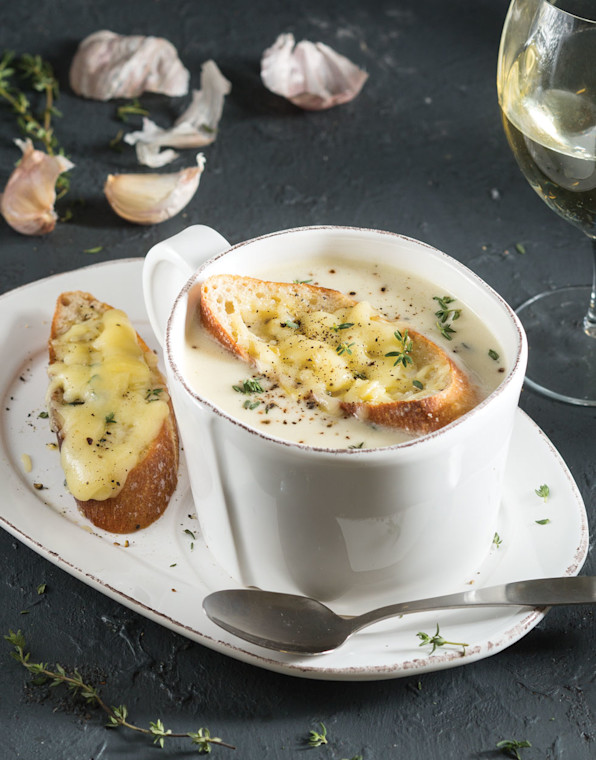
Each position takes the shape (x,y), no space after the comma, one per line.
(26,462)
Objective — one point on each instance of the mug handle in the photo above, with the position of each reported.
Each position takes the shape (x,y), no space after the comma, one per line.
(169,264)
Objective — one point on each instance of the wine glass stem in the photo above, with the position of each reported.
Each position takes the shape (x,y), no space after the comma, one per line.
(590,318)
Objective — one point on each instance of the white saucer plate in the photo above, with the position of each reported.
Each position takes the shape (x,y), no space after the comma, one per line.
(165,571)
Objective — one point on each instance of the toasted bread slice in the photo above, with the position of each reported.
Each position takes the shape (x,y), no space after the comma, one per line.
(109,407)
(319,343)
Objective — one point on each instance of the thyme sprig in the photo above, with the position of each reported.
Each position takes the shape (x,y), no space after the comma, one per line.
(117,715)
(438,641)
(405,349)
(446,315)
(39,75)
(42,79)
(543,491)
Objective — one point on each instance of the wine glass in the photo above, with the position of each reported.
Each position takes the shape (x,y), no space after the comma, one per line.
(547,92)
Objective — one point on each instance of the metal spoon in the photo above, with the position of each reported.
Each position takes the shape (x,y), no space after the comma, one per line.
(301,625)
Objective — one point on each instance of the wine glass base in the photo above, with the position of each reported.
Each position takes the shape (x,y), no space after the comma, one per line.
(561,355)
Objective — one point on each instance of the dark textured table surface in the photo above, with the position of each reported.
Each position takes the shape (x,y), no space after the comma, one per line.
(421,152)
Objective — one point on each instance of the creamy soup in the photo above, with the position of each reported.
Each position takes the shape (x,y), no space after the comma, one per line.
(236,388)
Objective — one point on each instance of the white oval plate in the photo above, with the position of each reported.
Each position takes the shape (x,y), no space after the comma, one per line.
(165,571)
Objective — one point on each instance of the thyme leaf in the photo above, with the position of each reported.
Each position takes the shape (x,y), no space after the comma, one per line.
(543,491)
(343,326)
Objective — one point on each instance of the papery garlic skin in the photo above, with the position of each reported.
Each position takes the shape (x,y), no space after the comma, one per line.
(109,65)
(195,128)
(152,198)
(27,202)
(310,74)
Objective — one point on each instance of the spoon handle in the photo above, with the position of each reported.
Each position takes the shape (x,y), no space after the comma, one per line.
(540,592)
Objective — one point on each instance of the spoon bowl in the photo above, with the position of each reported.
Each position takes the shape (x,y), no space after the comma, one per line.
(302,625)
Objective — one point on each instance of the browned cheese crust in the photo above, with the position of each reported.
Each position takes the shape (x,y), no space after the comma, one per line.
(151,483)
(419,416)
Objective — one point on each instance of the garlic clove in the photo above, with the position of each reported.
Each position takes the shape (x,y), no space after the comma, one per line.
(28,200)
(310,74)
(109,65)
(152,198)
(195,128)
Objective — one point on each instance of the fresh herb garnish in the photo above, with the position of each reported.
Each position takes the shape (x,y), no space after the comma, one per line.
(497,540)
(290,324)
(249,386)
(343,326)
(357,445)
(189,533)
(344,348)
(251,404)
(545,521)
(406,345)
(316,738)
(110,418)
(418,384)
(134,108)
(446,330)
(116,141)
(520,248)
(41,589)
(511,747)
(153,394)
(445,313)
(493,354)
(42,79)
(438,641)
(97,249)
(301,282)
(543,491)
(359,376)
(117,715)
(43,415)
(446,316)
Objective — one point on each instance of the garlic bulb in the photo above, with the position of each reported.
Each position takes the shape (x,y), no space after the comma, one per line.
(108,65)
(28,200)
(195,128)
(152,198)
(310,74)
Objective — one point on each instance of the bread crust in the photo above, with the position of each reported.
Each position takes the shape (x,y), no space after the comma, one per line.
(417,415)
(149,486)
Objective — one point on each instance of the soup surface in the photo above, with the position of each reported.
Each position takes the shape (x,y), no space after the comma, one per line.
(237,389)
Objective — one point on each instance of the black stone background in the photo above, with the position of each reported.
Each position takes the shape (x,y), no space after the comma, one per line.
(421,152)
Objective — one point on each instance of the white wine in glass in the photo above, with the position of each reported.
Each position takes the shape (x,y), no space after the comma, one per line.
(547,92)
